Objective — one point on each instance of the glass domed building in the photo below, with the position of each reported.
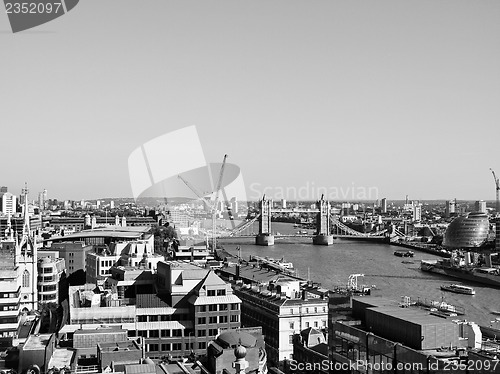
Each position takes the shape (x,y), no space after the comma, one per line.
(469,231)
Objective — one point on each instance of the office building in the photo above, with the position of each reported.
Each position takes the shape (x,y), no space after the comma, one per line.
(8,204)
(480,206)
(51,280)
(383,206)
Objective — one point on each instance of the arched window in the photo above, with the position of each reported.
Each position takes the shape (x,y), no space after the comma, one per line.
(26,278)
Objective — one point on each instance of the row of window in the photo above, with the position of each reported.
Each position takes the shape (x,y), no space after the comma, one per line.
(164,317)
(307,324)
(107,263)
(218,319)
(157,333)
(219,292)
(310,310)
(9,307)
(170,333)
(169,347)
(218,307)
(48,288)
(49,270)
(6,295)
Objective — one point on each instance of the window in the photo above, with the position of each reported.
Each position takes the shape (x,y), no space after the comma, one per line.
(222,319)
(211,293)
(165,333)
(222,306)
(290,339)
(26,278)
(202,308)
(324,309)
(307,310)
(235,306)
(143,333)
(142,318)
(177,332)
(234,318)
(202,345)
(292,325)
(153,347)
(202,332)
(176,346)
(212,320)
(202,320)
(315,310)
(153,333)
(153,318)
(165,347)
(315,323)
(221,292)
(212,332)
(291,311)
(323,323)
(307,325)
(212,308)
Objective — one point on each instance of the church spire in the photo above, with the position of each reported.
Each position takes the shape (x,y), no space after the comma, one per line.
(26,244)
(26,224)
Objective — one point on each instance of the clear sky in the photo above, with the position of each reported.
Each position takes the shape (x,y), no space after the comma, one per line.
(401,96)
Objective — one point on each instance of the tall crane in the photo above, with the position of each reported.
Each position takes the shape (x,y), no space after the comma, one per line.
(497,185)
(212,205)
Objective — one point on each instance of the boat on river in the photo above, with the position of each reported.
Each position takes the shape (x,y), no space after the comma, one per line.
(403,253)
(458,288)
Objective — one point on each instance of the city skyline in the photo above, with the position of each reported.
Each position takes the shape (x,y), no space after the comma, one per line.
(397,97)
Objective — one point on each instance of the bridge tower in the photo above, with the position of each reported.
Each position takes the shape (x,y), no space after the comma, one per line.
(323,236)
(265,237)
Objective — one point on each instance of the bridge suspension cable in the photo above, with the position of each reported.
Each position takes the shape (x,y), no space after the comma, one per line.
(351,231)
(243,226)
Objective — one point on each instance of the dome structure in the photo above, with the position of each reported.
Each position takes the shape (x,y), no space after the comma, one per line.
(469,231)
(240,352)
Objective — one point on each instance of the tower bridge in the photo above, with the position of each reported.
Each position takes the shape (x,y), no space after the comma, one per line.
(328,226)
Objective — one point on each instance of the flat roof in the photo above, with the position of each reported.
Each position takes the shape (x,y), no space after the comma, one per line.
(258,275)
(100,330)
(119,346)
(413,315)
(36,342)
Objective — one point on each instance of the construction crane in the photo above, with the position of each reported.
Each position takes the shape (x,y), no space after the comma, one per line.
(497,186)
(212,205)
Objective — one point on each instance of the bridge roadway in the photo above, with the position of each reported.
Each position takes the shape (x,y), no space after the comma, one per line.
(351,237)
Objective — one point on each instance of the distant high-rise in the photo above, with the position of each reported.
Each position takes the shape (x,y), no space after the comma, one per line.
(42,200)
(417,212)
(3,190)
(283,203)
(481,206)
(234,205)
(8,203)
(112,204)
(383,206)
(449,208)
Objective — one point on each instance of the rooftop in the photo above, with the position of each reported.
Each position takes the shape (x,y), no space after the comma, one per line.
(37,342)
(100,330)
(129,345)
(254,274)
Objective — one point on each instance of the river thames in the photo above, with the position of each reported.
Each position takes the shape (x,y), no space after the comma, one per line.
(332,265)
